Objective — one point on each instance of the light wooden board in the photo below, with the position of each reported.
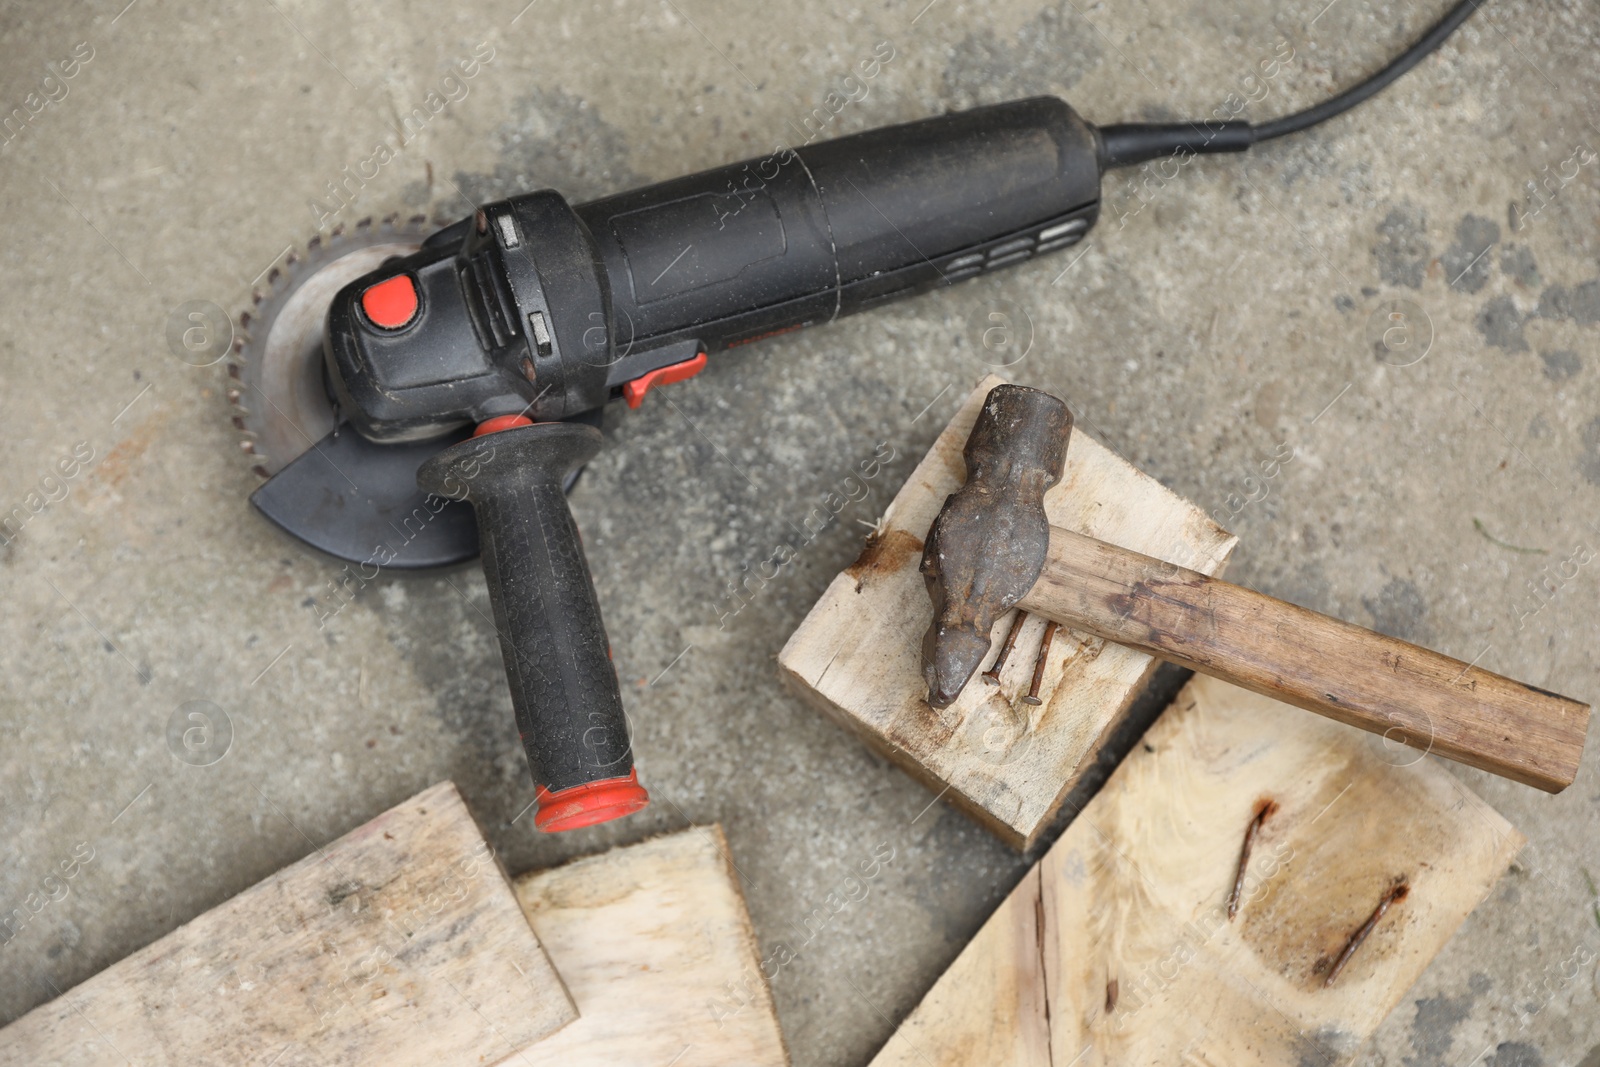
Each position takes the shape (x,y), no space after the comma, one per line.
(857,655)
(400,943)
(1117,949)
(655,946)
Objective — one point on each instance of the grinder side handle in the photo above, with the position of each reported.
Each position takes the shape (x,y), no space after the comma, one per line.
(557,657)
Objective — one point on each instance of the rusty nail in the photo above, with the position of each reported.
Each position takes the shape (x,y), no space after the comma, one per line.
(992,675)
(482,221)
(1244,856)
(1050,629)
(1393,896)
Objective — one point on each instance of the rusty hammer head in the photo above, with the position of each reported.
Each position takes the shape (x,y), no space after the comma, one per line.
(988,545)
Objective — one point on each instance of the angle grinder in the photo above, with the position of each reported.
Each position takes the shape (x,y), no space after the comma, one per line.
(415,401)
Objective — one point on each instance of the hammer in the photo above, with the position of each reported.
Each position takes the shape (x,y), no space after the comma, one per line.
(992,549)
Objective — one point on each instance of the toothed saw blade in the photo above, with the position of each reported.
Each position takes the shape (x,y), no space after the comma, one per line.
(326,484)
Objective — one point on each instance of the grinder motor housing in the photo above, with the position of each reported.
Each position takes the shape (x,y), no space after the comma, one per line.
(539,308)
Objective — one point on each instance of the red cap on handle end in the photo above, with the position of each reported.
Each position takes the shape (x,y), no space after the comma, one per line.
(589,804)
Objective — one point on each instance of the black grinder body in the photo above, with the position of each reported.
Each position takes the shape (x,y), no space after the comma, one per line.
(537,307)
(535,311)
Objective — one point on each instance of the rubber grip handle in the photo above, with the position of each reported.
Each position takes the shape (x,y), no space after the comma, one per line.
(557,657)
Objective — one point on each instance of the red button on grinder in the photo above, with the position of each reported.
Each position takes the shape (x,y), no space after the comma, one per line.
(391,303)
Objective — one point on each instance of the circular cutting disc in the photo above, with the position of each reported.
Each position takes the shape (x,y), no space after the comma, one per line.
(349,495)
(281,403)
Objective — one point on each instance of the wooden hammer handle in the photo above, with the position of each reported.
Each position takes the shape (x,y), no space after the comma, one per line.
(1408,694)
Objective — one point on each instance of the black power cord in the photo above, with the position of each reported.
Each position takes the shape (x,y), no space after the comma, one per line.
(1132,143)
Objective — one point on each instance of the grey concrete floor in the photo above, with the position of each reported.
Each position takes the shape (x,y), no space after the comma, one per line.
(1213,316)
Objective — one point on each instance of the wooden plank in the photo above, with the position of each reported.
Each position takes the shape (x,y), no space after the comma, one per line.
(655,946)
(857,655)
(1117,948)
(1361,678)
(400,943)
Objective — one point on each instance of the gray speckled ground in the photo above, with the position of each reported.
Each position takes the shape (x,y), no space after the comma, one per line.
(1215,314)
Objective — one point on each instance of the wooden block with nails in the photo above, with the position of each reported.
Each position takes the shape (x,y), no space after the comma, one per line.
(995,755)
(400,943)
(654,944)
(1347,864)
(992,549)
